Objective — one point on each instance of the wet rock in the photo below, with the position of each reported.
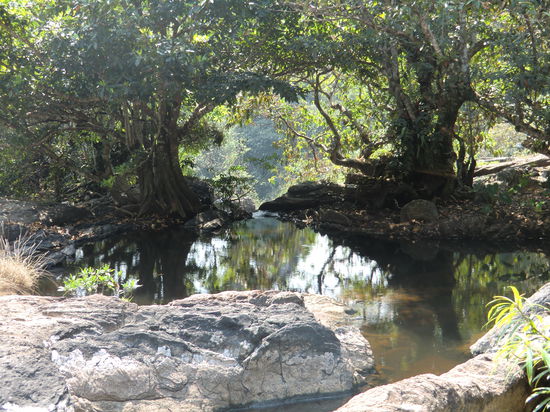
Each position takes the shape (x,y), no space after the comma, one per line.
(203,353)
(103,231)
(420,210)
(208,221)
(478,385)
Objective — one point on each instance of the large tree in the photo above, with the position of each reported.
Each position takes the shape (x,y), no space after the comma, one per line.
(399,74)
(141,76)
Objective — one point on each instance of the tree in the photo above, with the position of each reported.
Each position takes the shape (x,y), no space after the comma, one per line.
(141,76)
(398,74)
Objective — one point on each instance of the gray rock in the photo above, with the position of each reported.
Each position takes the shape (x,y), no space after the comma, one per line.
(478,385)
(203,353)
(207,221)
(420,210)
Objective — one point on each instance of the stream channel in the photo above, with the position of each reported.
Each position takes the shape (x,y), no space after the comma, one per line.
(420,306)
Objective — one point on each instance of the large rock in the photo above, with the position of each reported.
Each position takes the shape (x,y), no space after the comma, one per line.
(203,353)
(306,195)
(421,210)
(479,385)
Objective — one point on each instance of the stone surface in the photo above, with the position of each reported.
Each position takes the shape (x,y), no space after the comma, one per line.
(306,195)
(420,210)
(26,213)
(478,385)
(203,353)
(208,221)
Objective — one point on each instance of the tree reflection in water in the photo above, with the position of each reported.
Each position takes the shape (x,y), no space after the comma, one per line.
(419,305)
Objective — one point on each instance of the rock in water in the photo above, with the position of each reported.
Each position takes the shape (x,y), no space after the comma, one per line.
(478,385)
(202,353)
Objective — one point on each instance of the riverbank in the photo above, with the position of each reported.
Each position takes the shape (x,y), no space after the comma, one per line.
(510,205)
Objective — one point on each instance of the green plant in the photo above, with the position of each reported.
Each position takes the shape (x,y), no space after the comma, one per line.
(103,280)
(525,340)
(234,185)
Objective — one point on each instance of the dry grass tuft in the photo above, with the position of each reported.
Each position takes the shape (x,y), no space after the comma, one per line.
(20,267)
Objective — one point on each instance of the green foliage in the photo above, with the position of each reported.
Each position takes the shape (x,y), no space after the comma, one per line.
(142,79)
(232,186)
(503,140)
(525,340)
(103,280)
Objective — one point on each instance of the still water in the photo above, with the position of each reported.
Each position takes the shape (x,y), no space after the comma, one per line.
(420,306)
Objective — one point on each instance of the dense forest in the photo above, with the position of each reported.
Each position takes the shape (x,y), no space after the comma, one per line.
(130,97)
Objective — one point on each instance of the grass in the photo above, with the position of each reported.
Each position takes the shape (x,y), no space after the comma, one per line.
(20,267)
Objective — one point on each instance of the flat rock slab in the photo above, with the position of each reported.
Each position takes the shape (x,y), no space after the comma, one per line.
(478,385)
(27,213)
(203,353)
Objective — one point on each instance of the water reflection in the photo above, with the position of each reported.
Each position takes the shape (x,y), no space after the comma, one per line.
(419,305)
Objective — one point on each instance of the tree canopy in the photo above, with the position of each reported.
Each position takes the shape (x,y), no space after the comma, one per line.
(400,75)
(135,78)
(115,89)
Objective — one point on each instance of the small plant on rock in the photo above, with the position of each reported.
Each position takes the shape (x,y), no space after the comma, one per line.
(103,280)
(525,339)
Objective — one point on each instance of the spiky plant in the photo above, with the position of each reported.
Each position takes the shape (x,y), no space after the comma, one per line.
(524,338)
(20,267)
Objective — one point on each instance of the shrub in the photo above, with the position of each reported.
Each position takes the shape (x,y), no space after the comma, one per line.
(233,186)
(20,267)
(99,280)
(525,340)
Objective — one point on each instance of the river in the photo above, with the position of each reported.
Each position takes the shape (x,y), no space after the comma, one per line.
(419,305)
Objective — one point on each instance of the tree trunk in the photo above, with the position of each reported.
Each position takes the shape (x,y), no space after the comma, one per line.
(164,190)
(431,156)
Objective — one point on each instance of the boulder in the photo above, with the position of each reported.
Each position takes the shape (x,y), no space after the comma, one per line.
(334,217)
(478,385)
(63,214)
(306,195)
(202,353)
(208,221)
(12,231)
(420,210)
